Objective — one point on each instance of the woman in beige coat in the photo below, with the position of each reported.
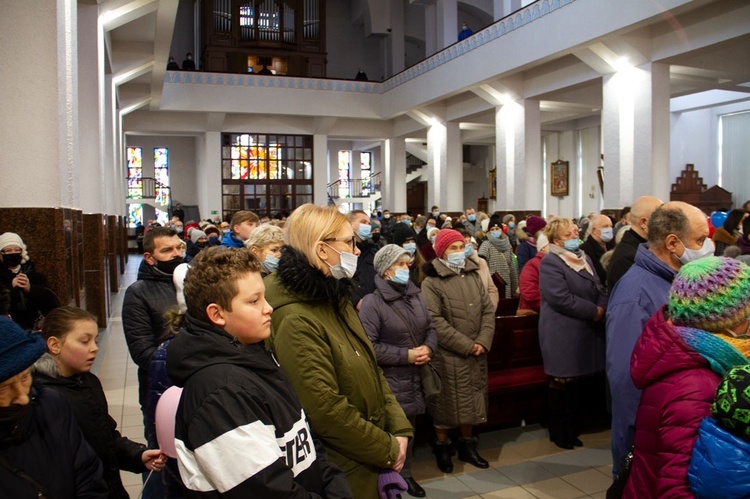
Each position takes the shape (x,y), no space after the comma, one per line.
(464,319)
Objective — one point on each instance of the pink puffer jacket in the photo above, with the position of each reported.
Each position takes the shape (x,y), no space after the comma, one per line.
(678,390)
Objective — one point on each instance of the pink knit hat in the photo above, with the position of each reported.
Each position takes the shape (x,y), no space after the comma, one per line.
(445,238)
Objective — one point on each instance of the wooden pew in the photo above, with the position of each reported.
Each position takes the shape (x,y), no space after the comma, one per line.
(517,384)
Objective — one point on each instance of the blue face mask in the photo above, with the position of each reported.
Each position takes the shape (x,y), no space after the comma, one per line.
(364,231)
(456,259)
(401,277)
(270,264)
(469,250)
(410,247)
(571,244)
(435,214)
(472,218)
(511,225)
(496,234)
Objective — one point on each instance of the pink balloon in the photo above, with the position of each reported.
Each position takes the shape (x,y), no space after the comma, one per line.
(166,411)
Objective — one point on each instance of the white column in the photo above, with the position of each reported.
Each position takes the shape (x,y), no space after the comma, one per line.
(90,102)
(394,175)
(208,172)
(397,43)
(518,155)
(635,131)
(447,23)
(445,185)
(320,169)
(430,30)
(39,103)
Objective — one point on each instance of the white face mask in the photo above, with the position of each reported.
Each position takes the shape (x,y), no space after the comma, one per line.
(346,268)
(691,255)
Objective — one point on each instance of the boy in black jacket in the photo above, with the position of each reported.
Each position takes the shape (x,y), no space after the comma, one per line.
(240,429)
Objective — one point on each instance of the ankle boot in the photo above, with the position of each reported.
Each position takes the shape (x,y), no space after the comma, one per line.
(442,451)
(559,425)
(467,452)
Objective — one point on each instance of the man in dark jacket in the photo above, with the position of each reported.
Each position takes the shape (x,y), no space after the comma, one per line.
(624,254)
(365,275)
(147,300)
(240,428)
(42,450)
(677,233)
(598,243)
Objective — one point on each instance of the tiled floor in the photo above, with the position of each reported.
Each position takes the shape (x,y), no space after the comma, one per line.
(524,464)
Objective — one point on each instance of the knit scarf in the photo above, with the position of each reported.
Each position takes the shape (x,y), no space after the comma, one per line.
(721,356)
(502,243)
(454,268)
(575,260)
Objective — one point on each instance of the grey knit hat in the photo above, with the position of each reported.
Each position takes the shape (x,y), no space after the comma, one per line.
(387,256)
(196,234)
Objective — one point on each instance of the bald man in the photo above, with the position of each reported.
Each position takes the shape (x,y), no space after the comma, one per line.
(600,241)
(624,255)
(677,234)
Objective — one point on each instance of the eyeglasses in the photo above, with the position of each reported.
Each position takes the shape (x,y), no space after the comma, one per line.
(352,241)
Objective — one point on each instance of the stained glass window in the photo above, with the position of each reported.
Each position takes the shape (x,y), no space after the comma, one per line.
(161,174)
(135,214)
(135,173)
(365,163)
(265,173)
(162,217)
(345,164)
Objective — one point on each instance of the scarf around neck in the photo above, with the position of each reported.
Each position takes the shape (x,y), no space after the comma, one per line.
(574,260)
(502,244)
(721,356)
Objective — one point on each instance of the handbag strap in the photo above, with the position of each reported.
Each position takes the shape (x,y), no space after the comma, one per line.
(41,491)
(401,316)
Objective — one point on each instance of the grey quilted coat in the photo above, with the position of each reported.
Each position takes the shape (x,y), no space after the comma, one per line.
(463,315)
(392,341)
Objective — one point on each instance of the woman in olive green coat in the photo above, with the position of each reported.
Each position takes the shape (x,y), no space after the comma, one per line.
(323,348)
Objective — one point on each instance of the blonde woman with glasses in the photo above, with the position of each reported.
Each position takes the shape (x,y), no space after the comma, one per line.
(323,348)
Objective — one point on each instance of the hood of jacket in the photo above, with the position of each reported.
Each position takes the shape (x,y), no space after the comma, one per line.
(647,260)
(201,345)
(660,351)
(296,281)
(148,272)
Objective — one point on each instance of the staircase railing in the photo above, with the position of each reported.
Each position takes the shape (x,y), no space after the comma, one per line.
(355,187)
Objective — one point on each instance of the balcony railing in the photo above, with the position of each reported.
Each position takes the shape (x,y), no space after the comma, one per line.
(151,188)
(355,187)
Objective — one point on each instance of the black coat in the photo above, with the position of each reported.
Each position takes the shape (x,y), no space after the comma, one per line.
(26,307)
(238,405)
(85,394)
(594,251)
(143,318)
(47,445)
(365,275)
(623,258)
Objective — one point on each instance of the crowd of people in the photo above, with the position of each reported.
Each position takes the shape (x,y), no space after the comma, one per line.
(307,347)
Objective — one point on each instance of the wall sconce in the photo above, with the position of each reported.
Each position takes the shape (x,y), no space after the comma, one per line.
(591,194)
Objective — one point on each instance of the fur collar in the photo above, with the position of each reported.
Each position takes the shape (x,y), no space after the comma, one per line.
(46,366)
(302,279)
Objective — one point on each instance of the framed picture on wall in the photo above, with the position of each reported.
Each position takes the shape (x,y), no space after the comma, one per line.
(560,177)
(492,180)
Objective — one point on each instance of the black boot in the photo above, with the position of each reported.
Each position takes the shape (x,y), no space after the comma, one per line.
(559,424)
(442,451)
(573,405)
(467,452)
(414,489)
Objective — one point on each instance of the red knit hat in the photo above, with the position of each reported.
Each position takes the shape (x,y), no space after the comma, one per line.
(445,238)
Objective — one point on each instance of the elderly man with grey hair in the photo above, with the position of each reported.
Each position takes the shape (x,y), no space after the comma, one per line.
(677,234)
(600,241)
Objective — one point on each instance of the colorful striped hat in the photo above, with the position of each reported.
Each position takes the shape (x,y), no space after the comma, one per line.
(711,294)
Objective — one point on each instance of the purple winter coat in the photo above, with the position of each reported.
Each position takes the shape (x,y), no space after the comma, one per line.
(678,389)
(572,343)
(391,339)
